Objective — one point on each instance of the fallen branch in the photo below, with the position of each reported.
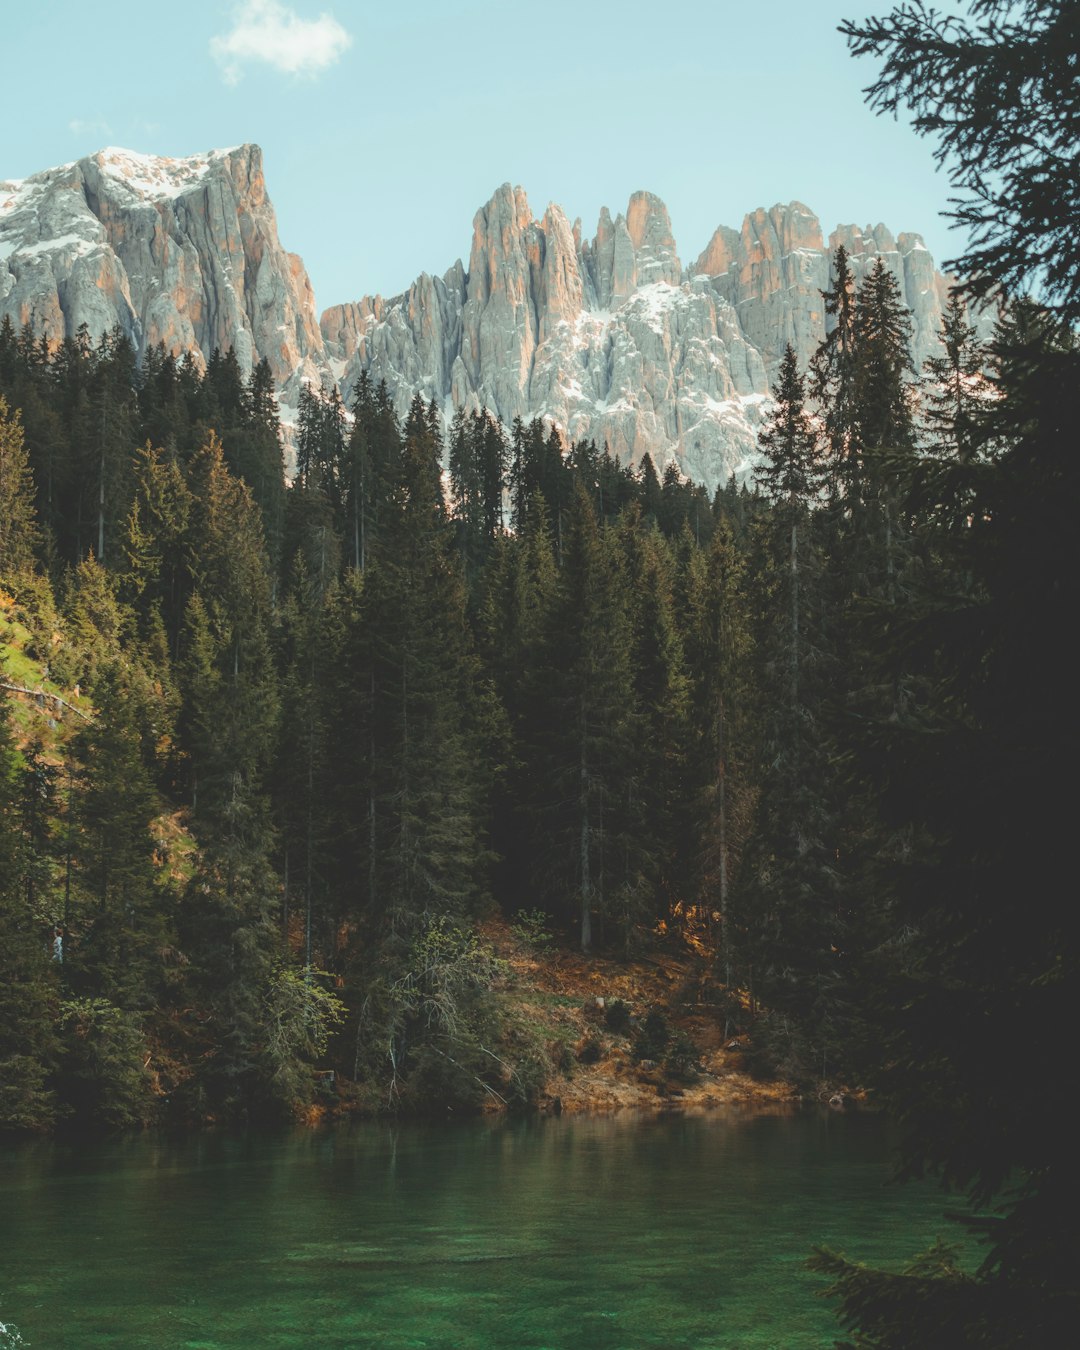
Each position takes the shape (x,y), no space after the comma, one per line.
(43,693)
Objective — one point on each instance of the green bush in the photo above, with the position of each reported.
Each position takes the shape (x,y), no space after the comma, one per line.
(103,1064)
(300,1014)
(617,1017)
(530,927)
(682,1057)
(526,1083)
(653,1036)
(25,1102)
(590,1051)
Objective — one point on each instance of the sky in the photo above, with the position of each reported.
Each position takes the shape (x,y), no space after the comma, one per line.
(385,126)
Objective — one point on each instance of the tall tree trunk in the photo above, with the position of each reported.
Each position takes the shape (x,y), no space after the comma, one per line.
(586,896)
(722,820)
(101,510)
(371,800)
(794,610)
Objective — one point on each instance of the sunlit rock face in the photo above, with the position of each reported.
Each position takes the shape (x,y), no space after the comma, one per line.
(180,251)
(612,338)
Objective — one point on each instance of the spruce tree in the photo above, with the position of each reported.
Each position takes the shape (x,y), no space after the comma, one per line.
(955,389)
(790,477)
(27,986)
(718,643)
(576,752)
(18,524)
(832,380)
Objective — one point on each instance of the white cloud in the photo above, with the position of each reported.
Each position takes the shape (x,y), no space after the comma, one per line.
(267,31)
(95,127)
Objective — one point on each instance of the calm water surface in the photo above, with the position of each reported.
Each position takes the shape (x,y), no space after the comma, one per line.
(570,1234)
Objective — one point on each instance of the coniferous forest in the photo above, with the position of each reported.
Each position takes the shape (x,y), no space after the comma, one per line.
(271,757)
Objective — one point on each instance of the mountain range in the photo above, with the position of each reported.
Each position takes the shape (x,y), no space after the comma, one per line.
(610,337)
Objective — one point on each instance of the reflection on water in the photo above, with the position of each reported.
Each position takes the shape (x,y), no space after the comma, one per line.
(605,1233)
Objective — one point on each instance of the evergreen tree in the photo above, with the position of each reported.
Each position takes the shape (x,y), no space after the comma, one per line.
(832,380)
(27,991)
(790,476)
(955,390)
(650,493)
(655,781)
(118,923)
(371,469)
(157,576)
(970,765)
(576,758)
(996,90)
(718,641)
(884,425)
(18,526)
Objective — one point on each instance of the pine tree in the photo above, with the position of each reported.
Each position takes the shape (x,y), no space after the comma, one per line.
(655,780)
(790,477)
(118,920)
(575,756)
(971,766)
(156,577)
(955,388)
(884,425)
(415,802)
(228,731)
(718,641)
(650,493)
(27,989)
(18,525)
(832,380)
(371,468)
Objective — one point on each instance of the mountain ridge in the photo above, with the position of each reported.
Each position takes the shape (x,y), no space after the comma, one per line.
(610,337)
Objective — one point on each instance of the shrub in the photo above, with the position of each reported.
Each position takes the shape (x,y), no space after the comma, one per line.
(103,1066)
(653,1036)
(682,1057)
(617,1017)
(590,1051)
(526,1083)
(530,927)
(300,1014)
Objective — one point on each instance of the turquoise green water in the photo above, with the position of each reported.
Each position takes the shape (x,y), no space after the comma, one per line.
(567,1234)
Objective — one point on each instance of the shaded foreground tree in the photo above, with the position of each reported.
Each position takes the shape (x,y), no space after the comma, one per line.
(998,91)
(971,765)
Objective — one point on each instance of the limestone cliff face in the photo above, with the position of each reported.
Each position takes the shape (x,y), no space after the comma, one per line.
(180,251)
(775,269)
(604,337)
(611,338)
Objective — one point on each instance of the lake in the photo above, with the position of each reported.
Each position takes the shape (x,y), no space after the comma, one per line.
(572,1233)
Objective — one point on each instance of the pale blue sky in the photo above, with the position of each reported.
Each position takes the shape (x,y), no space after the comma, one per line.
(386,125)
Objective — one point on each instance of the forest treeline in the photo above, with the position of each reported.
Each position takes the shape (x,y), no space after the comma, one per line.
(312,735)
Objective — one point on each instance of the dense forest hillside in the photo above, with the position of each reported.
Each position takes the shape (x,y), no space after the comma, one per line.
(273,755)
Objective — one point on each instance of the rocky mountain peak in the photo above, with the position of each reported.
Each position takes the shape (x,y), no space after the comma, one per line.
(180,251)
(606,337)
(649,227)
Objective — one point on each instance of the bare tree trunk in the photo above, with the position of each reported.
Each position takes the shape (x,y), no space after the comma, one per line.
(794,611)
(285,899)
(722,820)
(310,850)
(101,511)
(371,800)
(586,898)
